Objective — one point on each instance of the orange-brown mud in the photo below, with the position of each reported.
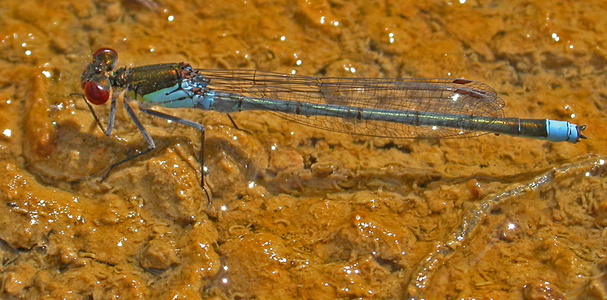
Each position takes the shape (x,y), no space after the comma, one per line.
(298,212)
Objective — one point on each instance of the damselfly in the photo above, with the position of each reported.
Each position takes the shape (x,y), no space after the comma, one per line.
(392,108)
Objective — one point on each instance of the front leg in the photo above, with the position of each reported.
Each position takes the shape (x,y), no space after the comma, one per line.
(144,133)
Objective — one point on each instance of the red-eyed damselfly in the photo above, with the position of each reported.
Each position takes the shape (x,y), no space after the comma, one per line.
(391,108)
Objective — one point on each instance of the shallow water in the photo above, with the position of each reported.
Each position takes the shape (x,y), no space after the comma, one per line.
(298,212)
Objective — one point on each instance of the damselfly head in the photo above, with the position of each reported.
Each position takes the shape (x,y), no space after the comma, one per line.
(95,82)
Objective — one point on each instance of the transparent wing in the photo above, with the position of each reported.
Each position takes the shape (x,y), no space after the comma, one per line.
(443,96)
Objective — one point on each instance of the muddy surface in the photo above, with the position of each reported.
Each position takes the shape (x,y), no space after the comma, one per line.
(298,212)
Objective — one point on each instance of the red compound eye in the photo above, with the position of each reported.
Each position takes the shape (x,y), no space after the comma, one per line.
(105,52)
(106,58)
(96,93)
